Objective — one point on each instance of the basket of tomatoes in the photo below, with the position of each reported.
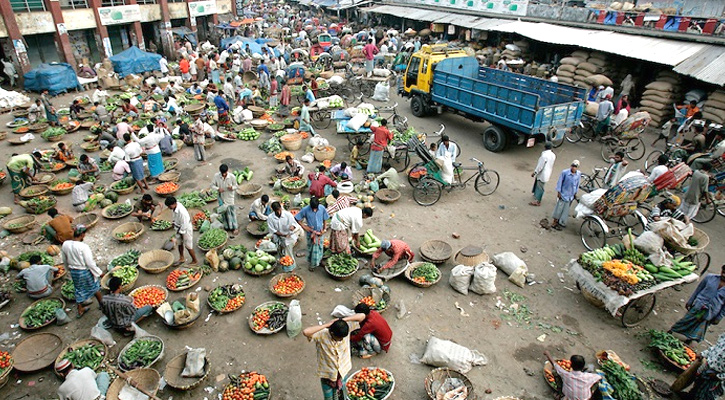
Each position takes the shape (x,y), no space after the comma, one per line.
(247,386)
(149,295)
(550,373)
(370,383)
(6,364)
(286,284)
(227,298)
(167,188)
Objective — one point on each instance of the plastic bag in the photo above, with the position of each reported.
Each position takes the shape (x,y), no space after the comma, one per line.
(61,318)
(213,258)
(382,92)
(460,279)
(508,262)
(297,200)
(446,168)
(649,242)
(589,199)
(138,332)
(484,279)
(294,319)
(100,333)
(194,365)
(356,122)
(192,302)
(308,158)
(341,311)
(444,353)
(317,141)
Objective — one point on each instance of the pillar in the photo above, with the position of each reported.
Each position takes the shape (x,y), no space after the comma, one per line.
(19,55)
(167,43)
(137,31)
(62,41)
(104,43)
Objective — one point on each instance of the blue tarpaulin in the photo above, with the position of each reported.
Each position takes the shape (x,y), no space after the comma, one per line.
(255,45)
(185,33)
(135,61)
(56,77)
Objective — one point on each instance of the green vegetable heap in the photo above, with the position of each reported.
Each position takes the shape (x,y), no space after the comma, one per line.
(212,238)
(41,313)
(140,354)
(88,355)
(623,383)
(342,264)
(427,271)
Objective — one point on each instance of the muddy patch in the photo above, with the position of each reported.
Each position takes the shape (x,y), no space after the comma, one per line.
(532,352)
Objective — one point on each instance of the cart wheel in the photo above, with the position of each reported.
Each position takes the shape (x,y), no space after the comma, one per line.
(415,170)
(609,147)
(592,234)
(631,221)
(706,212)
(399,161)
(574,134)
(487,182)
(321,119)
(702,260)
(352,139)
(637,310)
(400,123)
(635,148)
(427,192)
(651,161)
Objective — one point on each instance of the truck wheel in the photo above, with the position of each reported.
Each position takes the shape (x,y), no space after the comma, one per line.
(417,107)
(494,139)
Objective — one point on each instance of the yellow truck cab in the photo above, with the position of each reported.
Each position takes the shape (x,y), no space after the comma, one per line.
(418,76)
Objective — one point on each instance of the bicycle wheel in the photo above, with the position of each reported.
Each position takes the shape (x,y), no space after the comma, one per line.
(702,260)
(651,161)
(367,89)
(637,310)
(487,182)
(321,119)
(587,132)
(427,192)
(399,161)
(574,134)
(399,123)
(416,172)
(592,234)
(720,207)
(586,183)
(346,94)
(634,148)
(609,147)
(706,212)
(631,221)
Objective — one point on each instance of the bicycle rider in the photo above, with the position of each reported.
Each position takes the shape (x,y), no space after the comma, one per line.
(447,147)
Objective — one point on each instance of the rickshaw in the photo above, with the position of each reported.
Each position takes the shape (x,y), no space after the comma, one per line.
(324,40)
(625,137)
(295,74)
(315,51)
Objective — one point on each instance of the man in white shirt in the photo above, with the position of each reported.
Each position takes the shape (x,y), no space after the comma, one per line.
(133,156)
(80,384)
(660,169)
(226,185)
(99,95)
(116,155)
(77,258)
(447,147)
(171,106)
(184,230)
(164,65)
(285,231)
(542,173)
(351,219)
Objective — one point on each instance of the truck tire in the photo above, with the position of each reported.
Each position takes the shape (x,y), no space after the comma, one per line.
(417,107)
(495,139)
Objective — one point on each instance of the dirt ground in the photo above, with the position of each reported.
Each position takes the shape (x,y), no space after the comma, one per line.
(564,321)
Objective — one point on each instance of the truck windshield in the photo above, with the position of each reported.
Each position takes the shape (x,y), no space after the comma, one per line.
(411,76)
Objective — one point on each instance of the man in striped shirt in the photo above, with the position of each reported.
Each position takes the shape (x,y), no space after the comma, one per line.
(576,384)
(340,202)
(333,355)
(667,208)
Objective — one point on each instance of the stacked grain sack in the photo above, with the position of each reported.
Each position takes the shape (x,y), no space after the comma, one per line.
(567,70)
(714,107)
(659,96)
(592,72)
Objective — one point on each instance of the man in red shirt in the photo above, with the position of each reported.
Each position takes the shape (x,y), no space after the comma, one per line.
(318,182)
(374,335)
(395,249)
(184,68)
(370,50)
(381,137)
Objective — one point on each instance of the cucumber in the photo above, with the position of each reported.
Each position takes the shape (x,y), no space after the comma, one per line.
(668,270)
(662,277)
(651,268)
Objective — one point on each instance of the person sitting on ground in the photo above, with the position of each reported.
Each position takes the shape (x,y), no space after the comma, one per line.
(75,109)
(59,228)
(38,278)
(293,167)
(667,208)
(119,308)
(129,108)
(144,208)
(64,153)
(374,335)
(576,384)
(341,171)
(85,71)
(87,166)
(81,384)
(120,170)
(320,183)
(81,194)
(101,113)
(395,249)
(260,209)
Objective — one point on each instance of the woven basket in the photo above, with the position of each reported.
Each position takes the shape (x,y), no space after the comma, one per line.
(669,363)
(3,135)
(185,325)
(19,141)
(256,111)
(38,127)
(172,373)
(194,108)
(124,288)
(436,251)
(90,147)
(25,223)
(703,240)
(59,192)
(253,229)
(208,142)
(367,291)
(409,277)
(182,288)
(122,191)
(104,213)
(440,375)
(171,193)
(227,311)
(390,391)
(471,256)
(291,142)
(155,261)
(248,190)
(89,220)
(170,163)
(36,352)
(80,343)
(294,190)
(591,298)
(170,176)
(392,272)
(216,247)
(264,271)
(387,196)
(56,138)
(24,326)
(342,277)
(322,153)
(281,276)
(264,331)
(259,124)
(33,191)
(146,378)
(137,227)
(39,210)
(166,292)
(45,177)
(150,337)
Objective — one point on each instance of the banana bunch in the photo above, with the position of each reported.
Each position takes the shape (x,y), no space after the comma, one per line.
(634,256)
(597,256)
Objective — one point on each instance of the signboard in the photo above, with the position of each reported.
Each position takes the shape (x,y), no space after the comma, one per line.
(119,14)
(510,7)
(199,8)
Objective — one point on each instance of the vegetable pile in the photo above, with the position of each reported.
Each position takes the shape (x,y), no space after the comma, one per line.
(622,382)
(282,155)
(53,132)
(161,225)
(247,386)
(271,146)
(286,261)
(39,204)
(125,235)
(243,175)
(142,353)
(118,210)
(672,348)
(369,384)
(611,265)
(425,273)
(258,261)
(369,243)
(227,298)
(549,374)
(370,302)
(404,136)
(212,238)
(6,360)
(45,258)
(209,195)
(294,182)
(127,273)
(182,278)
(191,200)
(148,296)
(342,264)
(68,290)
(41,313)
(248,134)
(128,258)
(272,316)
(123,184)
(61,184)
(289,285)
(60,272)
(167,188)
(88,355)
(198,219)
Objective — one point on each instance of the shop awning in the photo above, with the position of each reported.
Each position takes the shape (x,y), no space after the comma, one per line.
(707,65)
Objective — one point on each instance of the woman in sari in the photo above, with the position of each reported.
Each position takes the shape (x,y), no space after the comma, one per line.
(21,169)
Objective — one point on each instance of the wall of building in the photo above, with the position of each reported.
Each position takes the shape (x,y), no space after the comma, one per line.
(150,12)
(79,19)
(32,23)
(178,10)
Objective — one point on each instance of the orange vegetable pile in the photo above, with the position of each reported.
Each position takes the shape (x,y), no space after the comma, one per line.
(368,300)
(5,360)
(259,319)
(420,279)
(198,219)
(148,296)
(304,134)
(2,175)
(282,155)
(63,185)
(286,261)
(234,303)
(326,243)
(289,285)
(245,388)
(61,270)
(624,270)
(177,273)
(22,129)
(125,235)
(365,383)
(327,164)
(167,187)
(690,353)
(566,364)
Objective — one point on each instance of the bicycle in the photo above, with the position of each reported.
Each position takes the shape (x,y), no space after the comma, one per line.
(418,168)
(633,148)
(674,153)
(428,190)
(590,183)
(583,131)
(395,120)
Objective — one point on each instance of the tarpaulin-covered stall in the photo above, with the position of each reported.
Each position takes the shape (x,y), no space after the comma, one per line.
(255,45)
(56,77)
(135,61)
(185,33)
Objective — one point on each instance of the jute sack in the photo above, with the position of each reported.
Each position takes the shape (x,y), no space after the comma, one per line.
(582,84)
(717,95)
(570,61)
(580,54)
(564,79)
(598,62)
(720,105)
(675,81)
(581,78)
(565,74)
(584,73)
(658,99)
(654,104)
(567,68)
(715,111)
(596,54)
(588,67)
(670,74)
(657,112)
(712,117)
(659,93)
(661,86)
(596,80)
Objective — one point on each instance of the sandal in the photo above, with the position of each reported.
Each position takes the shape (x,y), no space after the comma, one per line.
(535,204)
(80,313)
(178,263)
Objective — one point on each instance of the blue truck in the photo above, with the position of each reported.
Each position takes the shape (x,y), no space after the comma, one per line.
(519,108)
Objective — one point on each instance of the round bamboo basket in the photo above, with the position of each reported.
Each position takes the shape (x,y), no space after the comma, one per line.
(155,261)
(243,295)
(265,331)
(36,352)
(471,256)
(291,141)
(275,279)
(324,153)
(136,227)
(122,191)
(146,378)
(20,224)
(170,176)
(341,277)
(367,291)
(33,191)
(124,288)
(89,220)
(172,373)
(436,251)
(248,190)
(409,276)
(253,228)
(166,293)
(59,192)
(387,196)
(154,338)
(439,375)
(77,344)
(25,326)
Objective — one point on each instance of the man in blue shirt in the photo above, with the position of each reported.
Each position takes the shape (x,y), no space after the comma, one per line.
(705,307)
(263,67)
(245,96)
(222,109)
(566,189)
(313,220)
(309,95)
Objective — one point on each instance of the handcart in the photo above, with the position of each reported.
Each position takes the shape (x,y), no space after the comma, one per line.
(353,136)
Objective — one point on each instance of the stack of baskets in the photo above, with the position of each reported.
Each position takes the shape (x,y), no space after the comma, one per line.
(471,256)
(436,251)
(155,261)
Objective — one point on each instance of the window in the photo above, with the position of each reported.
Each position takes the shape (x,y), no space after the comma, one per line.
(27,5)
(73,4)
(177,1)
(146,1)
(411,75)
(112,3)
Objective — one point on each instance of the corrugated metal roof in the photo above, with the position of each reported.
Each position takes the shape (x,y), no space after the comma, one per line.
(487,23)
(706,65)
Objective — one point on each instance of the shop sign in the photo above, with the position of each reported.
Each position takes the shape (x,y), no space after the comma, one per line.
(510,7)
(119,14)
(199,8)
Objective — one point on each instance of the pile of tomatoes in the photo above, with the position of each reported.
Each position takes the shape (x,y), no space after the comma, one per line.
(188,278)
(248,386)
(286,261)
(148,296)
(369,301)
(167,187)
(367,382)
(60,272)
(259,319)
(566,364)
(234,303)
(63,185)
(289,285)
(6,360)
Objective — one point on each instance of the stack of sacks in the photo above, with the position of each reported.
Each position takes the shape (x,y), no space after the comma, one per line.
(592,72)
(567,69)
(714,107)
(659,96)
